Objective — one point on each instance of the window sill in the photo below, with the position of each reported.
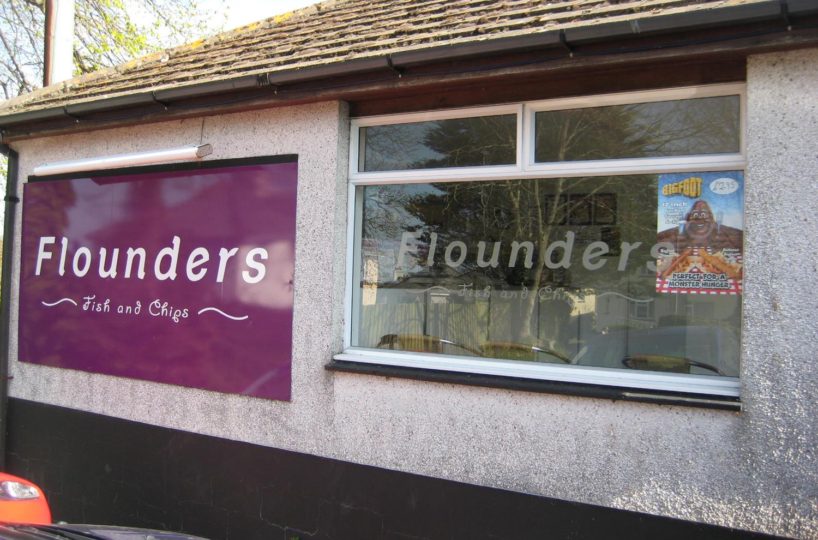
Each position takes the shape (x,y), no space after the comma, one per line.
(538,385)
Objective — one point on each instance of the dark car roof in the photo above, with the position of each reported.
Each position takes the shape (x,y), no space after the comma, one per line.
(95,532)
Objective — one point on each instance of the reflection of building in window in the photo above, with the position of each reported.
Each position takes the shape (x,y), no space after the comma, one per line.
(642,310)
(700,312)
(581,209)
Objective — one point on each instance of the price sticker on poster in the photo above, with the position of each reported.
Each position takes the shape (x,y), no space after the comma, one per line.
(700,233)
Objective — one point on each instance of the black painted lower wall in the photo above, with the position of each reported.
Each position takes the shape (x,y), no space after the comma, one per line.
(97,469)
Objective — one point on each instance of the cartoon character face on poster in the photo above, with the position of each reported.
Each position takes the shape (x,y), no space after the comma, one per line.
(700,222)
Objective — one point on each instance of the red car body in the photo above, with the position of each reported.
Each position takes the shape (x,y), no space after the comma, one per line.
(22,501)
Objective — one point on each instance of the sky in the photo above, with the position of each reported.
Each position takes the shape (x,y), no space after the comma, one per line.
(242,12)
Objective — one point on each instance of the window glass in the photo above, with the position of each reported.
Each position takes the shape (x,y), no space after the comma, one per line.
(637,272)
(461,142)
(640,130)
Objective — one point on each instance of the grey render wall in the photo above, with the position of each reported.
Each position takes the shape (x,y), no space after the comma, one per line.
(755,469)
(318,134)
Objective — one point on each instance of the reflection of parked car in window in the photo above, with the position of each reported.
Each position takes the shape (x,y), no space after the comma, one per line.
(422,343)
(699,350)
(522,351)
(492,349)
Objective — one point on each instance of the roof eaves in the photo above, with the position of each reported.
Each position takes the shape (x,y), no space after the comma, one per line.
(32,116)
(489,46)
(801,7)
(117,102)
(358,65)
(374,61)
(701,18)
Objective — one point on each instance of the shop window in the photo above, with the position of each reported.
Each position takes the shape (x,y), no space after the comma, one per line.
(595,240)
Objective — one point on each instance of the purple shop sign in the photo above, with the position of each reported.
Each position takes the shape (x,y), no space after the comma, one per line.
(183,276)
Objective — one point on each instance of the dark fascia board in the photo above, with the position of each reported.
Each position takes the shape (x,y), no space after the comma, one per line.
(358,65)
(677,21)
(203,89)
(32,116)
(118,102)
(802,7)
(241,83)
(550,38)
(197,90)
(131,100)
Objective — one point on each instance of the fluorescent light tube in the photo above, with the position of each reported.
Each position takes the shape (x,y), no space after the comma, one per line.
(124,160)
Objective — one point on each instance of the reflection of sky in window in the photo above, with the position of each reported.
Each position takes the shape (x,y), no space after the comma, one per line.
(83,220)
(386,210)
(183,190)
(387,217)
(115,200)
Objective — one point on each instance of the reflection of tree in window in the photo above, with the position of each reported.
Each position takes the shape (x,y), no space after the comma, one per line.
(605,209)
(537,211)
(533,211)
(666,128)
(488,140)
(461,142)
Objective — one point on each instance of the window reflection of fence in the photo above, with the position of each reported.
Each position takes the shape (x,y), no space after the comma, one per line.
(409,313)
(486,324)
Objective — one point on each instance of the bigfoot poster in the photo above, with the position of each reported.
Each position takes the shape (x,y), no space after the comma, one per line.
(700,233)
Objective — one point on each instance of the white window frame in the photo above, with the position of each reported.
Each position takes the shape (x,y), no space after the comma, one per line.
(632,165)
(425,175)
(525,167)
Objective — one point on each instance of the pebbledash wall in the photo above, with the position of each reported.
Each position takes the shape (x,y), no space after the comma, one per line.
(755,470)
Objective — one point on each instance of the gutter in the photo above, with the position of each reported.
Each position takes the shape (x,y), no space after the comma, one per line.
(11,201)
(767,11)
